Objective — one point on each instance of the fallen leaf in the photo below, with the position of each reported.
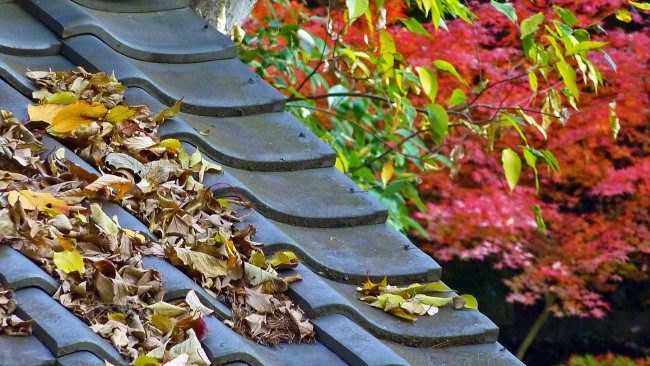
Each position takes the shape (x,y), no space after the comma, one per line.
(145,361)
(105,222)
(168,112)
(107,181)
(120,113)
(206,264)
(284,260)
(73,116)
(69,261)
(166,309)
(44,112)
(195,304)
(36,200)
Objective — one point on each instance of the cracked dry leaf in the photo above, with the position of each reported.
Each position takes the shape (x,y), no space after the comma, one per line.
(195,304)
(10,324)
(205,264)
(38,201)
(106,183)
(124,161)
(191,347)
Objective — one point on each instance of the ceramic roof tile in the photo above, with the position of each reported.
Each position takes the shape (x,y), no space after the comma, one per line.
(273,141)
(24,35)
(24,351)
(121,6)
(189,42)
(301,202)
(222,88)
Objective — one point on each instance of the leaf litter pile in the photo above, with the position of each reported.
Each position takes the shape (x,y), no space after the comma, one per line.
(51,211)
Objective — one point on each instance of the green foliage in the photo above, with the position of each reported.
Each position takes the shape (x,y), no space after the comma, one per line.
(361,95)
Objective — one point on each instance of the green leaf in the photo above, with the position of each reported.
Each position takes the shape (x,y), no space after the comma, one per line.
(438,122)
(566,15)
(532,80)
(414,26)
(642,6)
(569,77)
(169,112)
(356,8)
(585,46)
(471,302)
(511,166)
(429,82)
(541,225)
(531,160)
(433,301)
(446,66)
(69,261)
(506,9)
(623,15)
(388,51)
(531,24)
(457,97)
(62,98)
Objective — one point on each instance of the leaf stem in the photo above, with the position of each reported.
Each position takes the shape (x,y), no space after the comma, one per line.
(551,299)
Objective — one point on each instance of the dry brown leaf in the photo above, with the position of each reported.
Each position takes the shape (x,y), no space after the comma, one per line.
(207,265)
(106,182)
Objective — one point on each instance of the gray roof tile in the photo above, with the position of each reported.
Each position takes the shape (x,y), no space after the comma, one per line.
(17,271)
(222,88)
(81,358)
(121,6)
(273,141)
(190,41)
(301,202)
(59,330)
(21,34)
(353,344)
(24,351)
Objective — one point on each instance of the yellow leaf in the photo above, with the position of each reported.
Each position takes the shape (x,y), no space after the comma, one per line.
(120,113)
(168,112)
(36,200)
(166,309)
(122,185)
(145,361)
(387,172)
(69,261)
(44,112)
(162,322)
(66,243)
(73,116)
(118,317)
(284,260)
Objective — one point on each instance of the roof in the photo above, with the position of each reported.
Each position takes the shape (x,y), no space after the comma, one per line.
(161,50)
